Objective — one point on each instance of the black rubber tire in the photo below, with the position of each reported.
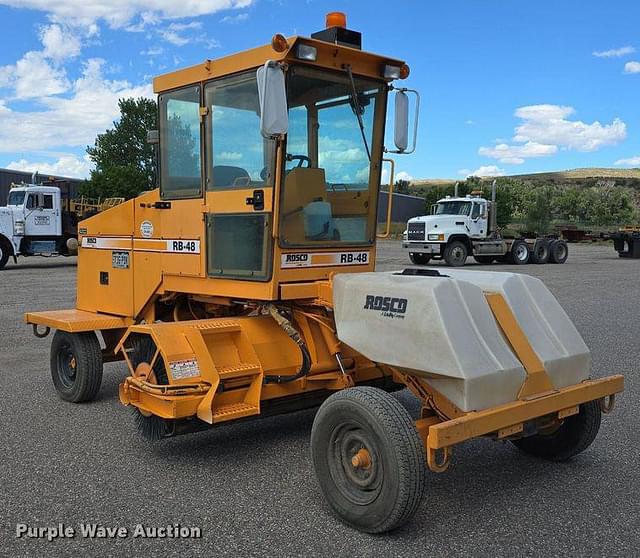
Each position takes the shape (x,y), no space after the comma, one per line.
(513,257)
(419,259)
(575,435)
(541,251)
(76,365)
(5,252)
(386,495)
(456,253)
(558,252)
(484,260)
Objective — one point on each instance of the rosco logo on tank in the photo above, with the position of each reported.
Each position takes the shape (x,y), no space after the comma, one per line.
(389,306)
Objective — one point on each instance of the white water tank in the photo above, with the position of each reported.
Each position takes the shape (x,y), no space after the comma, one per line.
(442,329)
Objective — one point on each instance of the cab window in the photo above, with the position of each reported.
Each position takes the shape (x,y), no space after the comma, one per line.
(475,213)
(32,201)
(48,201)
(180,171)
(237,154)
(332,169)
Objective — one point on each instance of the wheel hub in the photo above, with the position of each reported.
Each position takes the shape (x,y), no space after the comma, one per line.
(356,469)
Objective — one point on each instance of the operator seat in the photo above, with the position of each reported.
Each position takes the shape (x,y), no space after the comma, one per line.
(228,176)
(306,211)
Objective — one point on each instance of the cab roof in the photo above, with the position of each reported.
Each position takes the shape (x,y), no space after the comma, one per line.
(329,56)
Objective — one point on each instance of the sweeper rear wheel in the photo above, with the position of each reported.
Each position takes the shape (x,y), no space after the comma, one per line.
(573,436)
(369,459)
(76,365)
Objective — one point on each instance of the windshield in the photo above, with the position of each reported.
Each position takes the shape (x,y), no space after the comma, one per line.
(453,208)
(16,198)
(330,184)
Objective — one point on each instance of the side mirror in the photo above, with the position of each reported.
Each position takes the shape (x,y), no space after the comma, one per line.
(272,96)
(153,137)
(401,128)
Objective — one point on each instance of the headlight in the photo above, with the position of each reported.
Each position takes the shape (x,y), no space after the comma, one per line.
(306,52)
(436,236)
(405,235)
(18,228)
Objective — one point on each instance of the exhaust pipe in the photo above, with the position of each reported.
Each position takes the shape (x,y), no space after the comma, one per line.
(455,190)
(493,210)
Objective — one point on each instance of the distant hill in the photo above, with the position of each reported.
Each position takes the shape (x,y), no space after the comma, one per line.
(623,177)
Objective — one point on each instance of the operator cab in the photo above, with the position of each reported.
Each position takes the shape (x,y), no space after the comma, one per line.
(276,204)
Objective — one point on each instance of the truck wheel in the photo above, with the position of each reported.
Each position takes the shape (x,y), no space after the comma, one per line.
(574,435)
(419,259)
(540,252)
(456,253)
(559,252)
(484,260)
(519,253)
(76,365)
(369,459)
(5,252)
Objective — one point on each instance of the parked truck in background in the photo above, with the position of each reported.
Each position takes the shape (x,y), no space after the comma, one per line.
(459,227)
(39,221)
(626,241)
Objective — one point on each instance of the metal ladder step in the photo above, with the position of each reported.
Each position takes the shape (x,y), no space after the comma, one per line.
(234,411)
(238,371)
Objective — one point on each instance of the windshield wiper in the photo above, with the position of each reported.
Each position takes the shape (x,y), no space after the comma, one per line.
(357,108)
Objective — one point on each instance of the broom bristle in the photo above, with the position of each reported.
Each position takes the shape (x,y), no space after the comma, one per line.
(152,428)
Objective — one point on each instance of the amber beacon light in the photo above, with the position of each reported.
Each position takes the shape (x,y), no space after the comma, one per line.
(336,19)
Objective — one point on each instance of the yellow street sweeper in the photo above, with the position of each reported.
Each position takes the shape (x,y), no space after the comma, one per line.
(244,286)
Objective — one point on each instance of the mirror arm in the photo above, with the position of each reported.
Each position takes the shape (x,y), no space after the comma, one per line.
(415,123)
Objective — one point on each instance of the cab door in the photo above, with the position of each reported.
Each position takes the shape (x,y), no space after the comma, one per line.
(41,215)
(239,180)
(478,220)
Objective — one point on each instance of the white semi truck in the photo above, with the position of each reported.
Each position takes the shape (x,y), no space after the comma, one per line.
(37,221)
(32,224)
(459,227)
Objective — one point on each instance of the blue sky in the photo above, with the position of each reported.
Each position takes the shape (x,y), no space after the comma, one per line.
(508,86)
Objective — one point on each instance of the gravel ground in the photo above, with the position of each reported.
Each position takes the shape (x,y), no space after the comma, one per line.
(250,487)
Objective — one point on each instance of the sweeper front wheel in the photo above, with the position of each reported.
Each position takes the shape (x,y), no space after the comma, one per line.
(369,459)
(573,436)
(76,365)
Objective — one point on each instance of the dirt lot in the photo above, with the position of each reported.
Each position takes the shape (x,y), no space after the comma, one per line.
(250,487)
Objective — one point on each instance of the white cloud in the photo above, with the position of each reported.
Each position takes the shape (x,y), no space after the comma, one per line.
(615,52)
(59,44)
(488,170)
(229,156)
(66,165)
(402,175)
(120,13)
(470,122)
(549,124)
(545,129)
(178,34)
(631,162)
(32,76)
(632,67)
(235,19)
(516,154)
(75,121)
(153,51)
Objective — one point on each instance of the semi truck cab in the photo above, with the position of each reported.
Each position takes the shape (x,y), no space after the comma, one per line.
(31,223)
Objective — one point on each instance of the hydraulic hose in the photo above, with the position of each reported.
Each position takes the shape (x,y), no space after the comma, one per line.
(293,333)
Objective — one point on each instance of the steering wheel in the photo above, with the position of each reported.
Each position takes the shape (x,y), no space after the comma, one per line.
(300,158)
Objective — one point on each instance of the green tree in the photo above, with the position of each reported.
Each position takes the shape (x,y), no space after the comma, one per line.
(125,162)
